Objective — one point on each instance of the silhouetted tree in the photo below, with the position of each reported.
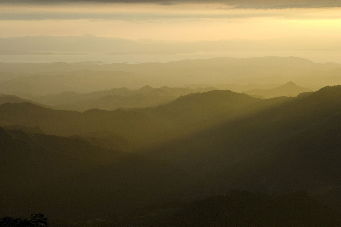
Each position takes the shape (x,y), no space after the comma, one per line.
(36,220)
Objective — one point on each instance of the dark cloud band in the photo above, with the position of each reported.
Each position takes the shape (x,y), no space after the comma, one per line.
(236,3)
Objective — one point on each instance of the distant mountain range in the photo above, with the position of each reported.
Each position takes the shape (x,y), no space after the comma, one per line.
(28,79)
(289,89)
(116,98)
(146,96)
(180,117)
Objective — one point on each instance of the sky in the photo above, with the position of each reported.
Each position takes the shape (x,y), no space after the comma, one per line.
(314,24)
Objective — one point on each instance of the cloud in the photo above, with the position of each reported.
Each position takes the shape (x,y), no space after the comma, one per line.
(127,16)
(236,3)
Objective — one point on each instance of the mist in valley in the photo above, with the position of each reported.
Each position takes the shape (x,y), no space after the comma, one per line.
(158,113)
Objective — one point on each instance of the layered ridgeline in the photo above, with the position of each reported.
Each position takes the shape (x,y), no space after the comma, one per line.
(294,145)
(198,146)
(41,79)
(289,89)
(116,98)
(138,127)
(11,99)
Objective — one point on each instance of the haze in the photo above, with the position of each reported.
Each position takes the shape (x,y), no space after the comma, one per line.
(170,113)
(187,30)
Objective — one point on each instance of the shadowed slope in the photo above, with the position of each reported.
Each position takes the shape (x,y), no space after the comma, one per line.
(146,126)
(290,146)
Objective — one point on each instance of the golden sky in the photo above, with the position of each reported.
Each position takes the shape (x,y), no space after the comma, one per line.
(184,22)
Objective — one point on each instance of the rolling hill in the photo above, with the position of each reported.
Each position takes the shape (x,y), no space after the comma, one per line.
(69,178)
(116,98)
(289,89)
(144,126)
(292,146)
(273,146)
(11,99)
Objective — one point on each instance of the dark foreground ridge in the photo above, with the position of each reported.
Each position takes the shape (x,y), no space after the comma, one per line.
(59,162)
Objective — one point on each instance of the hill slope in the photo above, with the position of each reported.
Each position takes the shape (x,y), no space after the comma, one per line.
(181,117)
(275,146)
(291,146)
(11,99)
(73,179)
(115,98)
(289,89)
